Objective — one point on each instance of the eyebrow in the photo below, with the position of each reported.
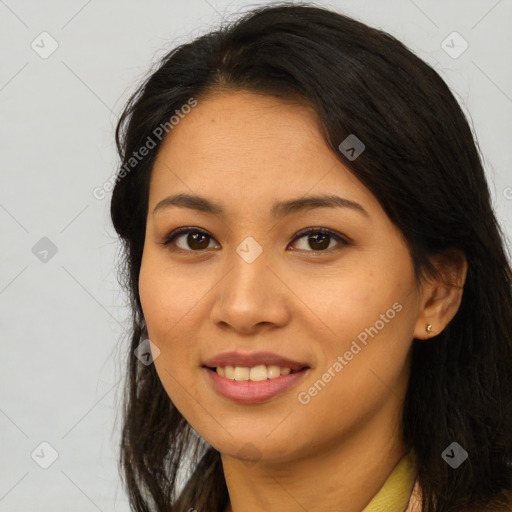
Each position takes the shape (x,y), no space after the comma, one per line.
(279,209)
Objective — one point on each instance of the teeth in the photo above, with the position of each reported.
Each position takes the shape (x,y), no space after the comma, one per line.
(241,373)
(256,373)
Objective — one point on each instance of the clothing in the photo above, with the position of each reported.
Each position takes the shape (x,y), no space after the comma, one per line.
(400,492)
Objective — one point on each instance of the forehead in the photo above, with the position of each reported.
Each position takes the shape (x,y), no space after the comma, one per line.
(243,126)
(247,147)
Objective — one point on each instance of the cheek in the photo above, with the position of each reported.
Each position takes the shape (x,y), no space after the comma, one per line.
(169,302)
(370,319)
(167,296)
(350,303)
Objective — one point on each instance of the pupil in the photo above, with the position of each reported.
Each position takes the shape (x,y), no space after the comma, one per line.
(324,245)
(194,237)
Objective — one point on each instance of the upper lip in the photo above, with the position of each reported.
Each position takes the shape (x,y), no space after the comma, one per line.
(252,359)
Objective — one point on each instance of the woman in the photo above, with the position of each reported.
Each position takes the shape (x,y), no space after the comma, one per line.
(322,310)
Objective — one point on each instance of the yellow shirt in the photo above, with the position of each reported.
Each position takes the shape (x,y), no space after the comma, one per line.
(394,495)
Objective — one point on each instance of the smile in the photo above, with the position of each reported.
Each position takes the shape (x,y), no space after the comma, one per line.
(253,385)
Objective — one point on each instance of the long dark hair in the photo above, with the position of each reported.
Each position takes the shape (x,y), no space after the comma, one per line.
(423,166)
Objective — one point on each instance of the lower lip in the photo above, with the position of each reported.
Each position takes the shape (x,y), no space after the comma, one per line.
(252,392)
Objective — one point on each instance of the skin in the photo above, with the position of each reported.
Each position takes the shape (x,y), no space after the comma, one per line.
(297,299)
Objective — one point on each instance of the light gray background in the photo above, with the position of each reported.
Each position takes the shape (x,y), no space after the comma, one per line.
(62,321)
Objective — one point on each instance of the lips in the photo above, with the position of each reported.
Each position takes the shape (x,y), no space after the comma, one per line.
(253,359)
(248,392)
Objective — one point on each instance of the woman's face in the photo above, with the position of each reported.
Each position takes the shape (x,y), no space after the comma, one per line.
(246,280)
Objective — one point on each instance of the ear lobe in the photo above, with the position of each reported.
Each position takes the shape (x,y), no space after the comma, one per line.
(442,294)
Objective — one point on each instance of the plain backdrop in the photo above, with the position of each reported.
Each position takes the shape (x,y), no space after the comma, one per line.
(62,313)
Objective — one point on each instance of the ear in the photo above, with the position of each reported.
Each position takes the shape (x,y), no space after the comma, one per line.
(442,295)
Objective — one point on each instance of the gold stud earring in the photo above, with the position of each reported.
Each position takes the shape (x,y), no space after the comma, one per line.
(429,328)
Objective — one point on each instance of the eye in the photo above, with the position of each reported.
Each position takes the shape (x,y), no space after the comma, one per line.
(319,239)
(197,239)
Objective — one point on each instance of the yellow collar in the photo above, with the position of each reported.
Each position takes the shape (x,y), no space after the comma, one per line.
(396,491)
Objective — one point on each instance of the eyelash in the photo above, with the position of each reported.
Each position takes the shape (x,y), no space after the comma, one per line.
(344,241)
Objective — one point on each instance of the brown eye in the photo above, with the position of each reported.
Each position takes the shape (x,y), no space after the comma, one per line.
(191,239)
(188,239)
(320,239)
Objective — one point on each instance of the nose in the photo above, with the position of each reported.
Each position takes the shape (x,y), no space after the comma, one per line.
(251,297)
